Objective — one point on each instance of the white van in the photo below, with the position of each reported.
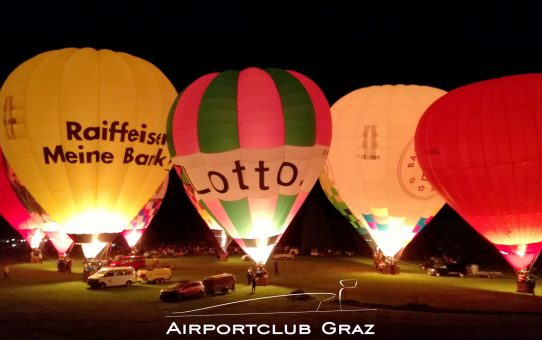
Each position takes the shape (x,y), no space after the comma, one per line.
(111,277)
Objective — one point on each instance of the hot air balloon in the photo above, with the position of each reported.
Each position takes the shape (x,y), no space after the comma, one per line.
(252,144)
(84,130)
(14,211)
(479,146)
(133,232)
(373,167)
(218,232)
(336,200)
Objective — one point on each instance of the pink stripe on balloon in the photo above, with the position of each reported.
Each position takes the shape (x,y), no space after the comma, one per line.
(321,109)
(240,242)
(301,196)
(221,217)
(259,110)
(185,119)
(373,225)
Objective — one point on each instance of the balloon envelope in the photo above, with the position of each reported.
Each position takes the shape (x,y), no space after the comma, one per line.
(481,147)
(85,133)
(218,232)
(133,232)
(336,200)
(252,144)
(14,211)
(372,163)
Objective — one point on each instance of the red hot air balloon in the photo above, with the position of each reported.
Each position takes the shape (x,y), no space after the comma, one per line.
(480,146)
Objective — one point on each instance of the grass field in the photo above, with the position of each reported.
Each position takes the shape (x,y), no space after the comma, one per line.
(39,302)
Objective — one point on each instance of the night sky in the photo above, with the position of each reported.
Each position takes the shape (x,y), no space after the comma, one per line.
(340,46)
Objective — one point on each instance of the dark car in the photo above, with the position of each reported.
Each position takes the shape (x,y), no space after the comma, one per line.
(183,289)
(449,269)
(431,263)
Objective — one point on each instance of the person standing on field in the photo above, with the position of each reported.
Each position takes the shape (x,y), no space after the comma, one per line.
(253,281)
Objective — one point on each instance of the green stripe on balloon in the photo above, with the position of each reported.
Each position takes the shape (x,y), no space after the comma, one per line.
(217,116)
(169,139)
(240,216)
(282,209)
(299,116)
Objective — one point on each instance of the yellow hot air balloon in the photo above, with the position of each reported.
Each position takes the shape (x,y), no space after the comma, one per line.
(84,130)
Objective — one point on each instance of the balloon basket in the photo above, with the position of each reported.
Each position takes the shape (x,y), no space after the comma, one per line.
(262,280)
(525,287)
(526,282)
(391,269)
(64,264)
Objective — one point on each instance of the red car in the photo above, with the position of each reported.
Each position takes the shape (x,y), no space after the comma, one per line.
(181,290)
(134,261)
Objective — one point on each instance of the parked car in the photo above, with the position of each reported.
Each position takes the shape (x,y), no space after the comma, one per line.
(219,283)
(154,275)
(294,251)
(134,261)
(90,267)
(449,269)
(432,262)
(284,256)
(112,277)
(474,271)
(183,289)
(150,253)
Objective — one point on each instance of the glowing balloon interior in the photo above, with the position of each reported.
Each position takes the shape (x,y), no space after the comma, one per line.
(61,241)
(252,144)
(92,249)
(373,166)
(479,146)
(85,132)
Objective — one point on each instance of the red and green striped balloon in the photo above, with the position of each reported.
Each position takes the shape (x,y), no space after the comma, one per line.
(252,143)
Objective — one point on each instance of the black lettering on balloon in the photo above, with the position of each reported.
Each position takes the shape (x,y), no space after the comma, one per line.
(294,174)
(53,156)
(262,169)
(239,171)
(73,129)
(225,185)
